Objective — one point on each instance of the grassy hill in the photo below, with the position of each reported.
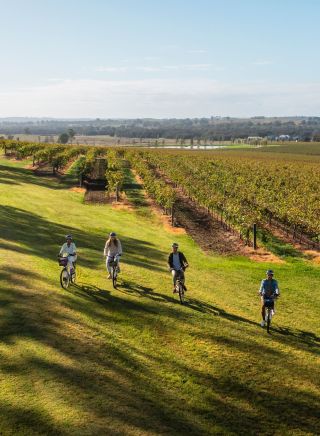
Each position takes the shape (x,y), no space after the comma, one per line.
(93,360)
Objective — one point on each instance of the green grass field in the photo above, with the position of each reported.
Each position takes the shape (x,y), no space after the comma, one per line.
(133,361)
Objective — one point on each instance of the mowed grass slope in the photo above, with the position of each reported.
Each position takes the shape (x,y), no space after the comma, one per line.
(93,360)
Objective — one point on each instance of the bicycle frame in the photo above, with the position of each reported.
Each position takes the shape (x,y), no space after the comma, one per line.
(269,307)
(179,286)
(65,276)
(114,263)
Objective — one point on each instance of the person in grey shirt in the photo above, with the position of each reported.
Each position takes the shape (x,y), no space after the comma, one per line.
(177,263)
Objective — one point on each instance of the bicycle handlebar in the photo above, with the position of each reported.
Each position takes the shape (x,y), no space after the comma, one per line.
(63,257)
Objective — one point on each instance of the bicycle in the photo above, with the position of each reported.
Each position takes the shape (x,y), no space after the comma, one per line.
(179,286)
(114,263)
(65,277)
(269,311)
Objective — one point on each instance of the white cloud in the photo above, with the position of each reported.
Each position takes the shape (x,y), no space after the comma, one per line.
(152,69)
(160,98)
(197,51)
(262,63)
(111,69)
(147,69)
(197,67)
(151,58)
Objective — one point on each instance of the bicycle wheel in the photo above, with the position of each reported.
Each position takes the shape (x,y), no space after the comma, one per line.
(73,277)
(268,319)
(64,278)
(114,277)
(181,293)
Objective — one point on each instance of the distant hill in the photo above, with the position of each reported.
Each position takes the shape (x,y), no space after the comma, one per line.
(213,128)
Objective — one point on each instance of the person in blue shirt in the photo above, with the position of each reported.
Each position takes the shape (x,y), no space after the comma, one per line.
(269,289)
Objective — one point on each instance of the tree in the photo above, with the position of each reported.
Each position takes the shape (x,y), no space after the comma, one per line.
(63,138)
(71,134)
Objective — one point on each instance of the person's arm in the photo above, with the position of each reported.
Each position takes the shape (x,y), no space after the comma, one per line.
(105,249)
(119,248)
(74,249)
(170,261)
(277,290)
(61,250)
(185,260)
(261,290)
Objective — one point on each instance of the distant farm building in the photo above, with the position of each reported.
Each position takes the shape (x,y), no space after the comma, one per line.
(284,138)
(254,140)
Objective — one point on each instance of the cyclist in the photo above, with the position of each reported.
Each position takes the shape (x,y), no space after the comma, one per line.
(112,250)
(69,250)
(268,289)
(177,263)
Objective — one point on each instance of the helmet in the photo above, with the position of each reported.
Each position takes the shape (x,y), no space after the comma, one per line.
(69,237)
(175,245)
(112,234)
(269,272)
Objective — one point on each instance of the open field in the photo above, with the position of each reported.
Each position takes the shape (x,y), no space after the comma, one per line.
(299,148)
(93,360)
(106,140)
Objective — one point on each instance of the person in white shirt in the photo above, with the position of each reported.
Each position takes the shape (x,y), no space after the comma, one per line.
(69,250)
(112,251)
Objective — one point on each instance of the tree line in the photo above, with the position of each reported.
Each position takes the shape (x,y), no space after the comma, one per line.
(207,129)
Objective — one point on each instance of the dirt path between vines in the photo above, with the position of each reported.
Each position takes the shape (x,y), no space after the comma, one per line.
(311,254)
(205,230)
(208,232)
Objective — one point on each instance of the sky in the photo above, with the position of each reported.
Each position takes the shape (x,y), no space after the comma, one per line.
(159,58)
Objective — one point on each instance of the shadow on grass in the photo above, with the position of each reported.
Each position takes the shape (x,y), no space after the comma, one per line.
(132,288)
(16,418)
(279,247)
(4,181)
(308,338)
(105,298)
(44,238)
(115,385)
(15,175)
(134,193)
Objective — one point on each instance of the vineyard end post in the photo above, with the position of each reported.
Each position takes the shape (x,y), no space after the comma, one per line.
(254,236)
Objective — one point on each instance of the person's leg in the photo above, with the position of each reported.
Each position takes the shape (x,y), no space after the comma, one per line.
(263,309)
(71,259)
(183,279)
(108,259)
(174,278)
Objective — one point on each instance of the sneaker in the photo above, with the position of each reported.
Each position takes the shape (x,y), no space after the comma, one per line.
(263,323)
